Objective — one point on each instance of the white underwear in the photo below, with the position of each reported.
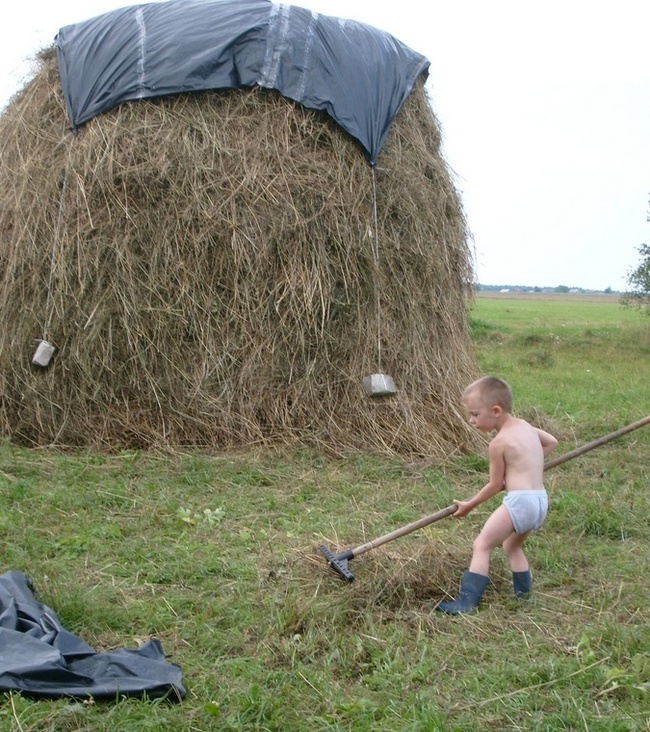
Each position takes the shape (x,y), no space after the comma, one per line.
(527,509)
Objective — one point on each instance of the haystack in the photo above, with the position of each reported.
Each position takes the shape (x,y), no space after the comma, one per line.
(208,269)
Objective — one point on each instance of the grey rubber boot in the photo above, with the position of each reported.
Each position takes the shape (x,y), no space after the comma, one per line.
(522,584)
(472,587)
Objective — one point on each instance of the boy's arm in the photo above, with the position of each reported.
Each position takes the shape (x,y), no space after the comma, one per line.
(495,484)
(549,443)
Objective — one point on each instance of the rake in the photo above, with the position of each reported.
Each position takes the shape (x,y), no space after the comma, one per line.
(339,562)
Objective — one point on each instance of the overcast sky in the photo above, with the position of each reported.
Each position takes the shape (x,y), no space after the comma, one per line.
(545,113)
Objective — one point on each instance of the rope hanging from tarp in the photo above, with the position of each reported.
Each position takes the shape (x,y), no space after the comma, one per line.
(44,349)
(375,247)
(49,306)
(379,384)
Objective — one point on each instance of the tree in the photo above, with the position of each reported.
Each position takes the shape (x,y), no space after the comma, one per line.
(639,281)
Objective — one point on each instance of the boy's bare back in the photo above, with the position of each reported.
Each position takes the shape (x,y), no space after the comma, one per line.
(521,448)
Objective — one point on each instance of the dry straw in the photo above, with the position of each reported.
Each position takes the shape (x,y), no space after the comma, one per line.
(204,265)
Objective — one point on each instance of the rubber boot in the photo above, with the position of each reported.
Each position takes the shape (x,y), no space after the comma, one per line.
(522,584)
(472,587)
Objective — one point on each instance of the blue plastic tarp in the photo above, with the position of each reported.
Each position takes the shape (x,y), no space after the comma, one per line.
(41,659)
(359,75)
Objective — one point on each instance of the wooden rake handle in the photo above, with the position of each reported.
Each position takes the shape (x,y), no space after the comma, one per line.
(596,443)
(425,521)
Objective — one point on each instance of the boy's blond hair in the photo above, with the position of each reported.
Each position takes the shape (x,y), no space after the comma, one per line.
(492,391)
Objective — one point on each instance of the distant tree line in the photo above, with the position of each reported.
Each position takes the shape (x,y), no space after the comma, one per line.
(528,288)
(639,280)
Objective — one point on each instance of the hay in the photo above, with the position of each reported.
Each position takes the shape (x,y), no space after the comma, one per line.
(205,266)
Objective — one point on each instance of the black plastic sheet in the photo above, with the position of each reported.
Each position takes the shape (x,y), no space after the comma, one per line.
(357,74)
(41,659)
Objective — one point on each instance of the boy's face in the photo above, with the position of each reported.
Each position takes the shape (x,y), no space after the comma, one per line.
(481,415)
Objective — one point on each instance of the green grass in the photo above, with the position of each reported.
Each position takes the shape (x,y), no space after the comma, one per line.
(216,555)
(585,362)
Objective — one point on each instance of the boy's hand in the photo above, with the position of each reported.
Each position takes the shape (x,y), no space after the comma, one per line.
(464,507)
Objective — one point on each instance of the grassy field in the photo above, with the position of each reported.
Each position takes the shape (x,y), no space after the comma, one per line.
(216,555)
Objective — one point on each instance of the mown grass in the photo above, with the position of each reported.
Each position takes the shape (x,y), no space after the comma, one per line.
(217,556)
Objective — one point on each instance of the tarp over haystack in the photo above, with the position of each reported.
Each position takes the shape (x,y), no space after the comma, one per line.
(359,75)
(208,267)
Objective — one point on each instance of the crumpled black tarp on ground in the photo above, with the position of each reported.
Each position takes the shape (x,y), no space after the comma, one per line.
(40,659)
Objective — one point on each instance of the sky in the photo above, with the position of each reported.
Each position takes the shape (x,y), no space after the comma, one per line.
(545,115)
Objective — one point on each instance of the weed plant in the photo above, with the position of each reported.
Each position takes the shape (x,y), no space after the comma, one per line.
(216,555)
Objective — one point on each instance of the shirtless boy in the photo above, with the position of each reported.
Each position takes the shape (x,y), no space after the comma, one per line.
(516,455)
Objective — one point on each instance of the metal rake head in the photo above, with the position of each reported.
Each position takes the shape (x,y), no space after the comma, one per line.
(338,562)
